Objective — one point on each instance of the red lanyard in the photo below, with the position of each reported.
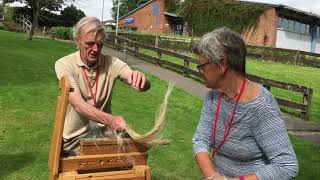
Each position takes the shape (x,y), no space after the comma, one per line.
(226,132)
(94,96)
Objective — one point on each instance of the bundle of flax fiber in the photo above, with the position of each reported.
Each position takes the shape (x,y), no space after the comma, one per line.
(151,136)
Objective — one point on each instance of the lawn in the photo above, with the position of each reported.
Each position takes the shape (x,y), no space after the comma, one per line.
(29,88)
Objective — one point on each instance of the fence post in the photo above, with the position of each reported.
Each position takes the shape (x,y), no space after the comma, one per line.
(186,67)
(157,42)
(159,54)
(125,52)
(307,97)
(44,31)
(136,48)
(262,53)
(297,57)
(267,87)
(118,44)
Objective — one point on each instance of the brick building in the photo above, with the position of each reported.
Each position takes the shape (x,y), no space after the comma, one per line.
(282,26)
(152,17)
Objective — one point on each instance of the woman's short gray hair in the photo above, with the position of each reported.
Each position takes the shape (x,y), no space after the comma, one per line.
(223,42)
(94,23)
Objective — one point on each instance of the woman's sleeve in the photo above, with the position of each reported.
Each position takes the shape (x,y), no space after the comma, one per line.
(202,139)
(272,138)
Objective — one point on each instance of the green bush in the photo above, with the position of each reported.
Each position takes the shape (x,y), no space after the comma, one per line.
(61,33)
(8,12)
(204,16)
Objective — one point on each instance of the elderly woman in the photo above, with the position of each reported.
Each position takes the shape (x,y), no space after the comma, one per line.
(241,133)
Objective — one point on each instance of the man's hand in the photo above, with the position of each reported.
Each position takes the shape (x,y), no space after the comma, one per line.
(117,123)
(137,79)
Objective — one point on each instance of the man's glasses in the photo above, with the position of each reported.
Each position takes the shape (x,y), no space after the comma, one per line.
(201,66)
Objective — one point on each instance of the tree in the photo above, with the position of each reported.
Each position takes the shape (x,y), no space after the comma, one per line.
(2,10)
(172,6)
(7,12)
(71,15)
(37,6)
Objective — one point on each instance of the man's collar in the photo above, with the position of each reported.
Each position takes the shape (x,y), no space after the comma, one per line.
(80,62)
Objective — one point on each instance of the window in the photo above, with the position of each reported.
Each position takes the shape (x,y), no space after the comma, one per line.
(280,22)
(307,29)
(155,9)
(157,21)
(296,27)
(291,25)
(303,28)
(285,23)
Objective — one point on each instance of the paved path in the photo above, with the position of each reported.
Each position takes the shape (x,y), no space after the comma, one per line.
(299,127)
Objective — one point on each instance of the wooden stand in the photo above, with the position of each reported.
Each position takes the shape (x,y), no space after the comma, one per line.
(98,159)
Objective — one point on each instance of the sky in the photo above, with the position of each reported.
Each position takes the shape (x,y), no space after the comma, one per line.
(311,6)
(94,7)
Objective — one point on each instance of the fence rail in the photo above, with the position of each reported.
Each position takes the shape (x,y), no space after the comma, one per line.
(176,44)
(123,43)
(26,24)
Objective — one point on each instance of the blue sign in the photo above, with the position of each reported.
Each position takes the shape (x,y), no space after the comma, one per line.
(129,20)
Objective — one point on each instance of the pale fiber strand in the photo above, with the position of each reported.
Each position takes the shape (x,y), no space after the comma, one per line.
(159,122)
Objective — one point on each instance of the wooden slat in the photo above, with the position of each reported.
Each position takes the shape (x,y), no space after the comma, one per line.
(174,65)
(278,84)
(110,146)
(272,50)
(56,141)
(163,51)
(136,173)
(146,57)
(290,104)
(102,161)
(195,73)
(309,53)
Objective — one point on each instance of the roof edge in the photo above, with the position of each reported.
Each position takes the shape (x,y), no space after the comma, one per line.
(136,9)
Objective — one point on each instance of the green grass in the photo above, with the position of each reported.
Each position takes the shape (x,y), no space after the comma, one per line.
(300,75)
(305,76)
(192,65)
(29,88)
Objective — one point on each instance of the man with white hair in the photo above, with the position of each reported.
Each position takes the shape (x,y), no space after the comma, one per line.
(92,75)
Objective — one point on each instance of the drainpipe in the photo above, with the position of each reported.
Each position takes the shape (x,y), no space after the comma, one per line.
(313,37)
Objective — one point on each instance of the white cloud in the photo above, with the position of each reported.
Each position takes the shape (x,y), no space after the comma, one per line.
(305,5)
(94,8)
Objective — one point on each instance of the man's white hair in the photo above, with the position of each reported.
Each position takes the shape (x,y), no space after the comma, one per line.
(94,23)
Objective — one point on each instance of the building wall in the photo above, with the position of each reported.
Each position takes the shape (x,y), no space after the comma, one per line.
(291,40)
(145,21)
(318,46)
(168,27)
(266,31)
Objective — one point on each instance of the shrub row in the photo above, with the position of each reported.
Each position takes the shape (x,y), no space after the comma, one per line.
(61,33)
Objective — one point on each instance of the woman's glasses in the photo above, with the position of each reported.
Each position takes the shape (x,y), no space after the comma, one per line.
(201,66)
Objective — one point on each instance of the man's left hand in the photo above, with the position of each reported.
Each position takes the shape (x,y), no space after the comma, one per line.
(137,79)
